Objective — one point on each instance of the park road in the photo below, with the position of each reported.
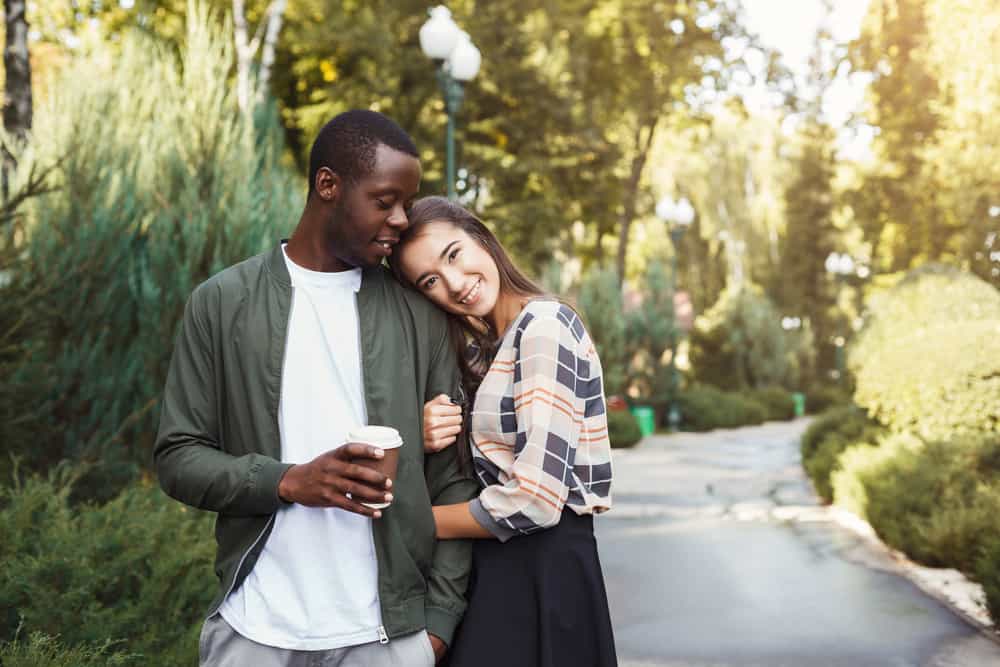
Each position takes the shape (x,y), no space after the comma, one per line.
(717,554)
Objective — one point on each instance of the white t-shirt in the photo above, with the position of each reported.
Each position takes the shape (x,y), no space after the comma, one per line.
(315,585)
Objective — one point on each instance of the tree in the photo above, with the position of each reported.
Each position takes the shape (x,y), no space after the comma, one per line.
(17,65)
(264,40)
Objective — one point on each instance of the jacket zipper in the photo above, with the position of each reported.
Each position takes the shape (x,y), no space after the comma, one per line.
(246,553)
(382,637)
(270,520)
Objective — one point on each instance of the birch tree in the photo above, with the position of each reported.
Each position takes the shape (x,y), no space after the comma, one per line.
(264,41)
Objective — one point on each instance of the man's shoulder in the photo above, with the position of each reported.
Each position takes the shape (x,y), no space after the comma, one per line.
(416,303)
(232,280)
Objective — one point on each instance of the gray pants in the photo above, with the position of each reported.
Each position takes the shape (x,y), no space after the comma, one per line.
(221,646)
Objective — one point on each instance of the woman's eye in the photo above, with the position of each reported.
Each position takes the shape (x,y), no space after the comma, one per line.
(453,254)
(429,283)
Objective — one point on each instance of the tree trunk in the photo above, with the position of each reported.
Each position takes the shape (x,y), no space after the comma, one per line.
(17,92)
(244,56)
(632,192)
(275,14)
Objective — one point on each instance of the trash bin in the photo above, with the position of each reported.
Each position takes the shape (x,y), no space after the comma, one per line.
(800,403)
(646,418)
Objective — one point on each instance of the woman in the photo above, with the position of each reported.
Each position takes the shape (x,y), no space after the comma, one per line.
(539,446)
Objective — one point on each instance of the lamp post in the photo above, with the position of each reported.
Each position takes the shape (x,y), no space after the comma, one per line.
(678,215)
(841,266)
(458,62)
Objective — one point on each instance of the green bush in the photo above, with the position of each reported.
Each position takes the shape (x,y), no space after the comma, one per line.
(827,437)
(822,397)
(704,408)
(924,499)
(161,182)
(778,403)
(928,359)
(623,429)
(987,573)
(136,570)
(41,650)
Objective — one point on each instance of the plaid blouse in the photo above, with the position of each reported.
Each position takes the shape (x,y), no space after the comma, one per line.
(539,429)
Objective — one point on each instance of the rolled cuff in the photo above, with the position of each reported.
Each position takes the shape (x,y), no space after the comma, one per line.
(486,520)
(264,479)
(441,623)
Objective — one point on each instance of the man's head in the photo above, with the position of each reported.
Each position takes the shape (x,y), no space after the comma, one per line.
(363,174)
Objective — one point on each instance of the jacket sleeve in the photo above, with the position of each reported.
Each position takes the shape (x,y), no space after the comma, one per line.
(447,484)
(188,457)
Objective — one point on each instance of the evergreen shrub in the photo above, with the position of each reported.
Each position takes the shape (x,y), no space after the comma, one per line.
(600,303)
(161,182)
(623,429)
(40,650)
(739,343)
(704,408)
(136,571)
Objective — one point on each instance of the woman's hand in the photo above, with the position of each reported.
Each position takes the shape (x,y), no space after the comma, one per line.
(442,423)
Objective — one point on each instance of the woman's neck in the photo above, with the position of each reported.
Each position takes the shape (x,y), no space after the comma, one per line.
(506,310)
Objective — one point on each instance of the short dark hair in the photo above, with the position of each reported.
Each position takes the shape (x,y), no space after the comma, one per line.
(347,144)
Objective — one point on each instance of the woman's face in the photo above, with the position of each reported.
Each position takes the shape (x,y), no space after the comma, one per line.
(452,269)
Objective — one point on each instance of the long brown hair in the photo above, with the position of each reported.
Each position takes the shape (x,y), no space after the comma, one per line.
(474,342)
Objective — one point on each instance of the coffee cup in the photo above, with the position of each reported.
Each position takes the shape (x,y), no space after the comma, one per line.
(389,441)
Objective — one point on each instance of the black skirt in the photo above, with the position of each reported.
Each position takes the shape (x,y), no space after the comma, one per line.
(537,601)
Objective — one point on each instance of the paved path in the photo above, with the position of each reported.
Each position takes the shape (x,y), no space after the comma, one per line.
(718,555)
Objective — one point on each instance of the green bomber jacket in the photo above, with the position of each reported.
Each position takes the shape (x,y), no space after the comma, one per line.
(218,447)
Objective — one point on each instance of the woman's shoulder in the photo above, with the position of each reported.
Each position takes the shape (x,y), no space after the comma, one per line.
(547,313)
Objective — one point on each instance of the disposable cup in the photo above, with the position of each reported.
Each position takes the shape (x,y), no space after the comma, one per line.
(385,438)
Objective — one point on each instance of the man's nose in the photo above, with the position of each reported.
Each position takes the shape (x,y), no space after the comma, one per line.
(398,217)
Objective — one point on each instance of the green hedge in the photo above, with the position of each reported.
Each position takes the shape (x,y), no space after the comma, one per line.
(136,570)
(623,429)
(928,500)
(778,403)
(827,437)
(704,408)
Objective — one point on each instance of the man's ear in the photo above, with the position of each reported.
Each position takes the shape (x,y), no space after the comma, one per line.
(328,184)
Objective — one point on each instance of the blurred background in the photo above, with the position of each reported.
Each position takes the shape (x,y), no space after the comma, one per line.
(762,208)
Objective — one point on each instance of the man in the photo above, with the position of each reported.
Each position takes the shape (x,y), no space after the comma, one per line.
(277,358)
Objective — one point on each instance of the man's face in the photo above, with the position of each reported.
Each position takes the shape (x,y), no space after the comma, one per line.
(369,215)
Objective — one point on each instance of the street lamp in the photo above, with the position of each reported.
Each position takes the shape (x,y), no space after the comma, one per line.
(458,61)
(678,215)
(842,267)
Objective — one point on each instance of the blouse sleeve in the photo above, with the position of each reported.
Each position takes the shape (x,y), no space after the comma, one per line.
(549,404)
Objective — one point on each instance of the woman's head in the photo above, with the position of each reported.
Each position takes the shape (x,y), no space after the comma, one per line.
(451,257)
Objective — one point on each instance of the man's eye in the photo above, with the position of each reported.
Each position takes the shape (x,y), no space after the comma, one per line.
(384,205)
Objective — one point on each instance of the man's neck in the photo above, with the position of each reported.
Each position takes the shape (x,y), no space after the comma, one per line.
(307,249)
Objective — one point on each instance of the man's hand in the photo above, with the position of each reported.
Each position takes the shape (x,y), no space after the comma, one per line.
(442,423)
(439,647)
(327,479)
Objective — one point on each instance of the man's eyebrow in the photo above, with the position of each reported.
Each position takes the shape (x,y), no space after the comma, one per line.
(441,256)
